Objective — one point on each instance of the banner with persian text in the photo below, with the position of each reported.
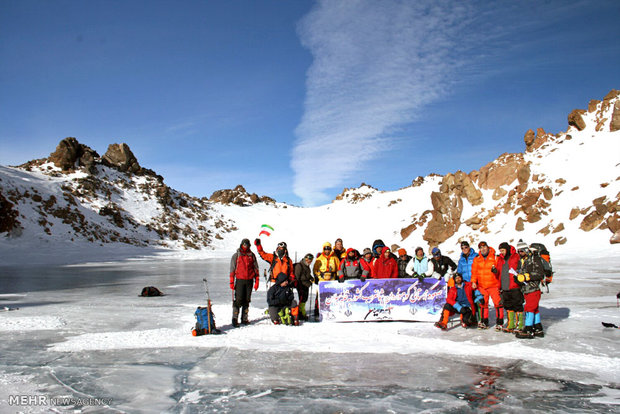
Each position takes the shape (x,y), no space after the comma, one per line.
(381,300)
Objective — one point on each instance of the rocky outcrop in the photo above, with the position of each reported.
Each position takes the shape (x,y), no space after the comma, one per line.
(120,157)
(461,185)
(70,154)
(361,193)
(536,140)
(238,196)
(8,216)
(575,118)
(615,118)
(500,172)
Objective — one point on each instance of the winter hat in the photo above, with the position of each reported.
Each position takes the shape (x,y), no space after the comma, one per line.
(327,244)
(505,246)
(309,256)
(245,242)
(436,251)
(282,244)
(464,244)
(482,244)
(521,245)
(402,252)
(367,251)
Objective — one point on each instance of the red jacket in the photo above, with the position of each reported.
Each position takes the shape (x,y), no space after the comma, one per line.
(513,262)
(367,266)
(243,265)
(385,268)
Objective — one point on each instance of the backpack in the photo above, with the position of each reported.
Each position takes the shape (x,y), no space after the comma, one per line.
(151,291)
(205,322)
(544,254)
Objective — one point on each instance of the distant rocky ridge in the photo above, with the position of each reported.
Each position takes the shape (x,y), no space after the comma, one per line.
(239,196)
(93,200)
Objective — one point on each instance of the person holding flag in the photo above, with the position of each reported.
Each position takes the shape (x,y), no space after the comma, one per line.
(279,261)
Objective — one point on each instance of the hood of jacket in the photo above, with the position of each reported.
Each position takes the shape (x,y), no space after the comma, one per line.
(281,278)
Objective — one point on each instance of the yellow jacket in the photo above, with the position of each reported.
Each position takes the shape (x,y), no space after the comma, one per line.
(326,267)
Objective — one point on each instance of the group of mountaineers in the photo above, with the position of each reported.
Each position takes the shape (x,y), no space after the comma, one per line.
(511,279)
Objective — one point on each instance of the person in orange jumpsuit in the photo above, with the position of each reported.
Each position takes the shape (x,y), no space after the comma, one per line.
(485,278)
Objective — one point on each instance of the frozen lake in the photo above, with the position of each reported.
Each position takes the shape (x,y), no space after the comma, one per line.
(82,332)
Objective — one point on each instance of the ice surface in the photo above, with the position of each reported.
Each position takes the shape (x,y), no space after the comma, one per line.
(82,331)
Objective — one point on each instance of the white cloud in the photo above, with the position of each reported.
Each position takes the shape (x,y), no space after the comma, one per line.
(376,63)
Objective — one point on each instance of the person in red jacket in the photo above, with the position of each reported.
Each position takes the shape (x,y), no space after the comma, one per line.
(385,266)
(279,262)
(461,299)
(243,272)
(512,296)
(366,262)
(484,277)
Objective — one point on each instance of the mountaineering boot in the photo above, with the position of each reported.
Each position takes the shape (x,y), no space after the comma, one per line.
(302,311)
(443,320)
(512,323)
(295,315)
(499,324)
(244,315)
(235,316)
(526,333)
(282,316)
(538,330)
(520,321)
(483,324)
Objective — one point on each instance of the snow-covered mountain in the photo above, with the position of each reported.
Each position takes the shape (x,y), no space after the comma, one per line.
(563,190)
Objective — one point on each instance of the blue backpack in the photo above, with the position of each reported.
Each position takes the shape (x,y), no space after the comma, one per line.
(205,323)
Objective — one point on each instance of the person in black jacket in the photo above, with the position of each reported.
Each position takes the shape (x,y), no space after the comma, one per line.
(281,300)
(441,265)
(303,276)
(403,261)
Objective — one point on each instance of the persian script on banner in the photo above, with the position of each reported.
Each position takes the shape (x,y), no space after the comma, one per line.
(381,300)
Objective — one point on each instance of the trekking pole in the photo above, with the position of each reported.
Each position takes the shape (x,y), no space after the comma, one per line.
(204,280)
(310,300)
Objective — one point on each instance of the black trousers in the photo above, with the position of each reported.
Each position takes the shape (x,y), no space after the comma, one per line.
(303,292)
(513,300)
(243,292)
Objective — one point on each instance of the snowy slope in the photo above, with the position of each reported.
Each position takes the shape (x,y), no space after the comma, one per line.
(112,215)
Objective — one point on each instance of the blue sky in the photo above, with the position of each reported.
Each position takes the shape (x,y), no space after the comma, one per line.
(298,99)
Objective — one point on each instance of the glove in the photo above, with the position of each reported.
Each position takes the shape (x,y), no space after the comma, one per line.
(415,274)
(457,307)
(232,285)
(420,278)
(363,278)
(257,242)
(423,275)
(494,270)
(341,280)
(256,284)
(482,302)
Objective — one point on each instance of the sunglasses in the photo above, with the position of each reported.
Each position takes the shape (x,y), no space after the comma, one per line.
(464,247)
(327,248)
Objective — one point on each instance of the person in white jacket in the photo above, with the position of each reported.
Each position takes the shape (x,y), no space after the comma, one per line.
(418,265)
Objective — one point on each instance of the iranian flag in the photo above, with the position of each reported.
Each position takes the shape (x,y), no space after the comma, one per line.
(265,229)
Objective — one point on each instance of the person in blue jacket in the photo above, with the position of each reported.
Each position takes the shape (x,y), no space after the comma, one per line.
(467,259)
